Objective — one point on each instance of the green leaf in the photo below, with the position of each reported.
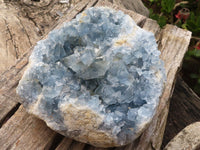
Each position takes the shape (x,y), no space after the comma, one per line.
(167,5)
(193,53)
(184,26)
(162,21)
(193,23)
(190,53)
(151,1)
(197,53)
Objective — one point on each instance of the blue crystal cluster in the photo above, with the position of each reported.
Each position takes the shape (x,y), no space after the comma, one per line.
(104,69)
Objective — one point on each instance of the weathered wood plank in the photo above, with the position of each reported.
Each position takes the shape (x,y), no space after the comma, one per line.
(23,131)
(7,108)
(136,6)
(65,144)
(139,19)
(13,31)
(152,26)
(77,146)
(96,148)
(184,110)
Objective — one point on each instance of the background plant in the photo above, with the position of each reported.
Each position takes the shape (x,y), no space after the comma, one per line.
(184,14)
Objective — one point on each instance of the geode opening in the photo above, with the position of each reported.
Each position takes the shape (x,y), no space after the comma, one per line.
(97,79)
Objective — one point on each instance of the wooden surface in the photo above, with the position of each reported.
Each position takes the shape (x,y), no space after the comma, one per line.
(135,5)
(20,130)
(184,110)
(183,126)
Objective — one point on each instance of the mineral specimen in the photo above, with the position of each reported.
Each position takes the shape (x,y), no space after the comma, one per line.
(96,79)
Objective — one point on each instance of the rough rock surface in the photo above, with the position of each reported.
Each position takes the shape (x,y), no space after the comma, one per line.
(97,79)
(188,138)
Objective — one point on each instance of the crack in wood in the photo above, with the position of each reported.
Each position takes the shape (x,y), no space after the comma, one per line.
(142,22)
(95,2)
(56,141)
(152,147)
(40,32)
(9,115)
(25,31)
(11,38)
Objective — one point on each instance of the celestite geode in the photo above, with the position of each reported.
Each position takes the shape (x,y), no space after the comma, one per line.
(97,79)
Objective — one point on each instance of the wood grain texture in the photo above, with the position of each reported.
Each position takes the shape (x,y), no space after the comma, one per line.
(23,131)
(173,43)
(136,6)
(184,110)
(13,30)
(65,144)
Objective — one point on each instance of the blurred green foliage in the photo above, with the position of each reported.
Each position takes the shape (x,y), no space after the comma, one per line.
(167,5)
(168,11)
(193,23)
(162,20)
